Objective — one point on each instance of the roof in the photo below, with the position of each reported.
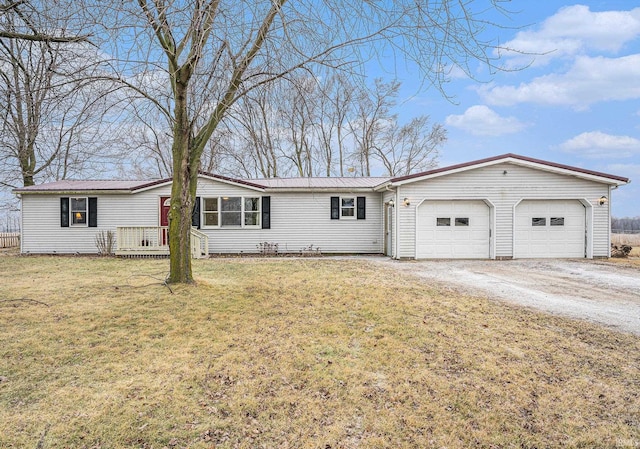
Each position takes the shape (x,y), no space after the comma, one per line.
(260,184)
(337,183)
(514,158)
(322,183)
(88,185)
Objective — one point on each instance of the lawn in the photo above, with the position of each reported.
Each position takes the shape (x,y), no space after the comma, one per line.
(296,353)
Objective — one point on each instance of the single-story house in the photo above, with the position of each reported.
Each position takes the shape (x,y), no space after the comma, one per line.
(502,207)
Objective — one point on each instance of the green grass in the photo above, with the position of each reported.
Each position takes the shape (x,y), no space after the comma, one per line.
(296,353)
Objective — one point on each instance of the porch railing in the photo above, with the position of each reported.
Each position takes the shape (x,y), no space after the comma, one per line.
(154,241)
(199,244)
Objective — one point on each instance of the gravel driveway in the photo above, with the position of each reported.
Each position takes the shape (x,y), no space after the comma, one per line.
(598,291)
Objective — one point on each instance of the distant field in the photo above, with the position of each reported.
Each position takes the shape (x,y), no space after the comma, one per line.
(296,353)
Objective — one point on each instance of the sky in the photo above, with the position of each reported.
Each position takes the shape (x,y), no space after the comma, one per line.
(577,102)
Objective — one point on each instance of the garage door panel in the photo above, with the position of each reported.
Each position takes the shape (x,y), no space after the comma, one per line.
(468,239)
(564,239)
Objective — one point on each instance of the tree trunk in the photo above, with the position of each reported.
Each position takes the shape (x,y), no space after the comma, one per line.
(183,192)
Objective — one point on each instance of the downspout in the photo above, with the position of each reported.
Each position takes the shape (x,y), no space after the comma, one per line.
(611,188)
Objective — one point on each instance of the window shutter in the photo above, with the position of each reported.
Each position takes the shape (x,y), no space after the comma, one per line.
(266,212)
(64,212)
(93,212)
(335,207)
(195,215)
(362,203)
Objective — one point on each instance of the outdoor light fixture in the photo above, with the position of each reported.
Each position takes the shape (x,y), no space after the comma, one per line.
(405,202)
(602,200)
(391,203)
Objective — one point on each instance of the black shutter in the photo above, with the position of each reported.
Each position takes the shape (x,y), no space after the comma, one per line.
(266,212)
(362,205)
(93,212)
(195,215)
(64,212)
(335,208)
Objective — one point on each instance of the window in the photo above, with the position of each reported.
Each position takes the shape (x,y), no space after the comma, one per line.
(443,221)
(78,211)
(210,212)
(538,221)
(462,221)
(556,221)
(231,211)
(348,207)
(251,211)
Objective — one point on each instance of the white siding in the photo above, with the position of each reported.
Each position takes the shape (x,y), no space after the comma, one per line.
(298,220)
(42,233)
(504,191)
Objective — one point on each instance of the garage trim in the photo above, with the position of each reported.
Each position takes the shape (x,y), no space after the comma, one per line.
(492,222)
(588,220)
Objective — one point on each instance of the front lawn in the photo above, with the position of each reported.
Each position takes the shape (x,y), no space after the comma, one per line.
(296,353)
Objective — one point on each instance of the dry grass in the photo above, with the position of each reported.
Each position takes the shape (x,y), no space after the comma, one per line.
(283,353)
(628,239)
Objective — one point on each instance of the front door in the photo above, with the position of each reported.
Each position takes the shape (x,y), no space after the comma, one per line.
(165,203)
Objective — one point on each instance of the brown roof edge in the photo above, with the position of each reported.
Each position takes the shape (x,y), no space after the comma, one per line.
(512,156)
(151,184)
(234,180)
(211,175)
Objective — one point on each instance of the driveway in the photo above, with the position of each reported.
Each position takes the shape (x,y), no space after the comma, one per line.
(598,291)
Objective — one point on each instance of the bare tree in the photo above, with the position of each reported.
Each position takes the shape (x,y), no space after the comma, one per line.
(211,53)
(409,148)
(336,104)
(53,123)
(29,22)
(373,108)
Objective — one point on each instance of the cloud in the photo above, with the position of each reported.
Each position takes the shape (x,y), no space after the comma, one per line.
(482,120)
(598,145)
(574,30)
(588,81)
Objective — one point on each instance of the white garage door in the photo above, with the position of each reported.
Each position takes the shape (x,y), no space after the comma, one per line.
(453,230)
(550,228)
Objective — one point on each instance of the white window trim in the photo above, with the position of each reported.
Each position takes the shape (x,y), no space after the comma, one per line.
(86,212)
(242,225)
(355,208)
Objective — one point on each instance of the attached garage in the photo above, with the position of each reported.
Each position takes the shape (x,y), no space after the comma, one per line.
(456,229)
(550,229)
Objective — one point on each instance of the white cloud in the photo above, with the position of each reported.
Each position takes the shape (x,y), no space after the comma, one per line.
(574,30)
(590,80)
(597,145)
(482,120)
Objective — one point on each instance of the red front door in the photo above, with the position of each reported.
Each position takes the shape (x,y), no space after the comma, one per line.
(165,203)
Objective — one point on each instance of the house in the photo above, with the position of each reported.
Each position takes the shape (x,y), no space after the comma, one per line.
(502,207)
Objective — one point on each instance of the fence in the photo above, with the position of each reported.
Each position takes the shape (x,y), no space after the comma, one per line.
(9,239)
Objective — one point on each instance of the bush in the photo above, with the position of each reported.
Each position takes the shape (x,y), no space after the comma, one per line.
(105,241)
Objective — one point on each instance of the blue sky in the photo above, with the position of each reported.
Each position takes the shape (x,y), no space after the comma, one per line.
(576,104)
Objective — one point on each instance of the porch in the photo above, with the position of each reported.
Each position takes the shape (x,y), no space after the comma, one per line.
(154,241)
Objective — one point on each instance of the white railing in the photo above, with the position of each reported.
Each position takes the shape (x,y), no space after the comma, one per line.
(154,240)
(142,240)
(199,244)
